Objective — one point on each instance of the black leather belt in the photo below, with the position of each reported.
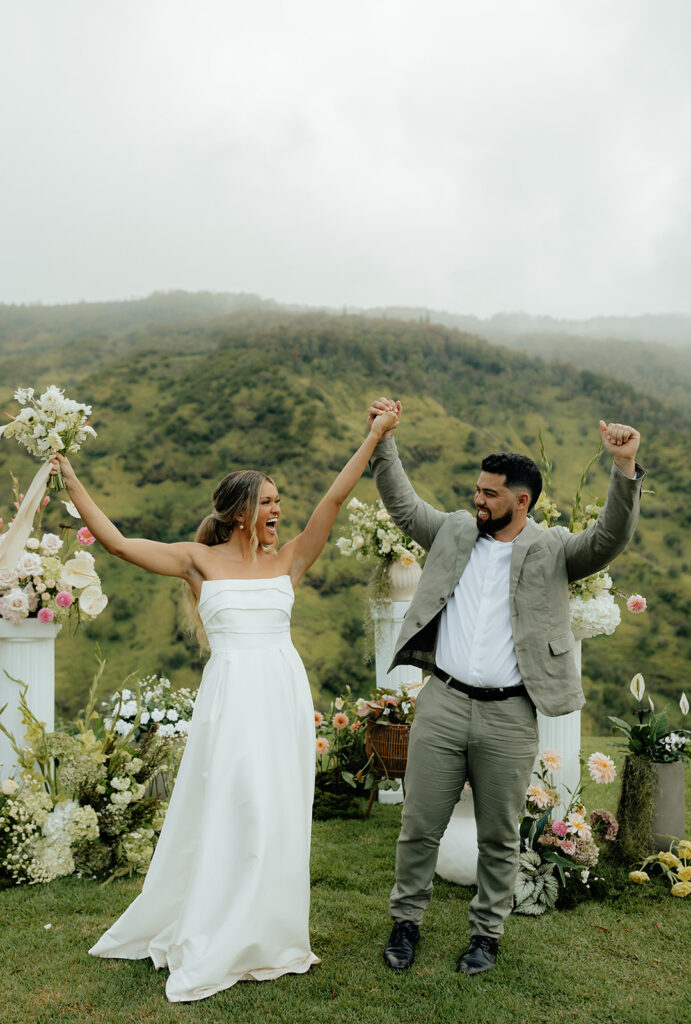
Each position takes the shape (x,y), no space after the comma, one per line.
(483,692)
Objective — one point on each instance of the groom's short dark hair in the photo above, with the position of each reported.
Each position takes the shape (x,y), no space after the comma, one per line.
(519,470)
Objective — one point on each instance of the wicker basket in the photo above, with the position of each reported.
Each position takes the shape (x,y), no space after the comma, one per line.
(389,744)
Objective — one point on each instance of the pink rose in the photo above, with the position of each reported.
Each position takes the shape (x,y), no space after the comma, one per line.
(63,599)
(636,604)
(50,584)
(45,615)
(85,536)
(560,828)
(568,847)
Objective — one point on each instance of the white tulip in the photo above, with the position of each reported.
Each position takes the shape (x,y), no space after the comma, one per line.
(637,686)
(684,704)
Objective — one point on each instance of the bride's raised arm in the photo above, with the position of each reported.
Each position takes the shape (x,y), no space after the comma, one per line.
(164,559)
(304,549)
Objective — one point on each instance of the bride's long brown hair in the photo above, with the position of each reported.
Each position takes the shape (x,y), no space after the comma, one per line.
(236,495)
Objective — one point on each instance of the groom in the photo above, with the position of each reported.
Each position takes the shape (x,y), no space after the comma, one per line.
(490,622)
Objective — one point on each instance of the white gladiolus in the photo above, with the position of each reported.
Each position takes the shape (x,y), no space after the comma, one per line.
(637,686)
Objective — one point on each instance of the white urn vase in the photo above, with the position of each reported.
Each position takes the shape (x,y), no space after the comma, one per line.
(404,579)
(27,654)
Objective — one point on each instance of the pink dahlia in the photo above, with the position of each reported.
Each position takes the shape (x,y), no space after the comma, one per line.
(322,745)
(85,536)
(63,599)
(318,716)
(339,720)
(636,604)
(45,615)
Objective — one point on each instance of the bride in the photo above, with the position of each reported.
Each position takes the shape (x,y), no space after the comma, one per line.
(226,897)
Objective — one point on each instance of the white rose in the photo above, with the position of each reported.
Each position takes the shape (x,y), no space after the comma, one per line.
(9,786)
(32,544)
(118,783)
(354,503)
(51,543)
(8,578)
(122,727)
(144,720)
(383,516)
(166,730)
(172,715)
(182,727)
(29,565)
(358,541)
(92,601)
(17,603)
(158,715)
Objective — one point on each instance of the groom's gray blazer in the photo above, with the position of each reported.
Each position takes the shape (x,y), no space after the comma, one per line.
(543,562)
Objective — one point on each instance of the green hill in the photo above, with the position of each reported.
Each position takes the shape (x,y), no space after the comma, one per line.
(188,388)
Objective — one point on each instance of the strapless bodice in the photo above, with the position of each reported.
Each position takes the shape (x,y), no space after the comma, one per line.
(246,614)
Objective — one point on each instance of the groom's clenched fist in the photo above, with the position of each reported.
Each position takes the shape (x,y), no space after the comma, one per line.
(379,406)
(621,441)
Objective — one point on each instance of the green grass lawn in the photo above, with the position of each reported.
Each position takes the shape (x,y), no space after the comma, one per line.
(624,961)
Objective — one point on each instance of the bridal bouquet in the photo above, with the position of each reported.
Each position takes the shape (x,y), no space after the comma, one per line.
(54,580)
(48,423)
(592,608)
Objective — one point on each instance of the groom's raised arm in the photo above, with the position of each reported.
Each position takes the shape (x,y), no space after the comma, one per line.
(409,512)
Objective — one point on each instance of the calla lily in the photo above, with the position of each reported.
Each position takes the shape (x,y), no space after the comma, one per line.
(684,704)
(637,686)
(92,601)
(77,573)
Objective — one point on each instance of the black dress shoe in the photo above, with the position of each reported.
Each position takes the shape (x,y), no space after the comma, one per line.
(480,955)
(400,949)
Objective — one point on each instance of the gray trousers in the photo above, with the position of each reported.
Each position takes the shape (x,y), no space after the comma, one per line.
(493,745)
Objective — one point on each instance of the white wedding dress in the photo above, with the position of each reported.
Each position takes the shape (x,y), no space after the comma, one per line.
(226,897)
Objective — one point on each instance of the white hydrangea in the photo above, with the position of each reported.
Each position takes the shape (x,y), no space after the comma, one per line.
(593,616)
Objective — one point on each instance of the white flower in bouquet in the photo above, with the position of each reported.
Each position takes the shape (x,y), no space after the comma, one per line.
(29,565)
(14,605)
(48,423)
(594,616)
(92,601)
(50,543)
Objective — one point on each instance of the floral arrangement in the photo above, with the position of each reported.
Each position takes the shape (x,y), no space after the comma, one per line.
(373,534)
(55,578)
(592,608)
(81,800)
(390,707)
(674,865)
(154,704)
(561,850)
(343,769)
(49,423)
(652,738)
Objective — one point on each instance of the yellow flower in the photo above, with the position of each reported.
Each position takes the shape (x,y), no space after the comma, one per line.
(669,860)
(577,528)
(685,844)
(681,889)
(639,876)
(684,874)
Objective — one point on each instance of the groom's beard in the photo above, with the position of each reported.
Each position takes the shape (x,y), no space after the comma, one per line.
(491,526)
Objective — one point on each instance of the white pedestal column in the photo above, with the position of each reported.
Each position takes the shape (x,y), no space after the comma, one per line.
(27,654)
(388,619)
(563,735)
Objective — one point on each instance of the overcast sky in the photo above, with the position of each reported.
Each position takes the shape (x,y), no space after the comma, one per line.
(476,157)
